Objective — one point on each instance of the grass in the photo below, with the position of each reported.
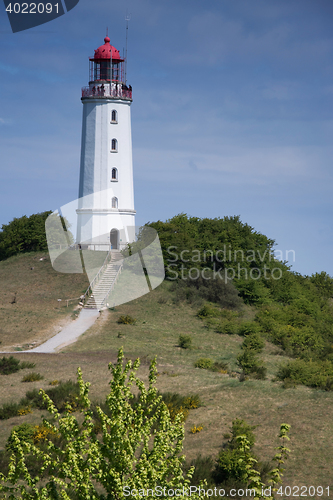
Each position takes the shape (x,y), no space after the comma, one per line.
(37,313)
(159,322)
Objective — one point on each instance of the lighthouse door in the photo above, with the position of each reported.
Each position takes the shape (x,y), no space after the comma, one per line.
(114,239)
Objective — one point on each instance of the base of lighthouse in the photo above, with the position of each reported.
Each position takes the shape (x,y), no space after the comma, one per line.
(102,229)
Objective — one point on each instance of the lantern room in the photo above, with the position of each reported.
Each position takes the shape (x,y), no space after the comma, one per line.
(106,65)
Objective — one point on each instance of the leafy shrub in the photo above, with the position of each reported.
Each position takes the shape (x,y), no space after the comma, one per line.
(185,341)
(204,467)
(220,367)
(212,289)
(24,432)
(241,428)
(62,394)
(24,410)
(311,373)
(180,405)
(54,382)
(254,342)
(42,433)
(191,402)
(227,327)
(126,320)
(24,234)
(230,465)
(205,363)
(9,410)
(248,327)
(12,365)
(9,365)
(26,364)
(250,364)
(32,377)
(208,311)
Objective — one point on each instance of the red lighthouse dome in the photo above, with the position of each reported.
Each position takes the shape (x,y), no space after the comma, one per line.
(107,51)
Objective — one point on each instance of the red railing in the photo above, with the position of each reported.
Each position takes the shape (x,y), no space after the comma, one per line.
(100,91)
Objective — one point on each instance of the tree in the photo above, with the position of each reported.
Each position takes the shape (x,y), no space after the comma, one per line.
(24,234)
(138,448)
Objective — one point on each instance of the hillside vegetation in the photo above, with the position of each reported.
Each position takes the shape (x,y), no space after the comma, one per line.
(256,350)
(210,257)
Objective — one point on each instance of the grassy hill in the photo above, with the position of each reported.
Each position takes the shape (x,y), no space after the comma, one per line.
(269,341)
(30,310)
(161,317)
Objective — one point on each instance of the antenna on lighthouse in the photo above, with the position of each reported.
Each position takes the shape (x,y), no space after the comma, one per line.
(127,18)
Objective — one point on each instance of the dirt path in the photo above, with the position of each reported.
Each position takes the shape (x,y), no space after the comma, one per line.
(69,334)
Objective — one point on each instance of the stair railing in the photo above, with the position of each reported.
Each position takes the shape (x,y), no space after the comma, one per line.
(112,284)
(94,282)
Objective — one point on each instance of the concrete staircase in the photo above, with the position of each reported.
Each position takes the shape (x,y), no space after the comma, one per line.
(102,287)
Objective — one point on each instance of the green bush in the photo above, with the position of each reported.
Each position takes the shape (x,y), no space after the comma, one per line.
(24,432)
(311,373)
(9,365)
(126,320)
(253,342)
(185,341)
(9,410)
(32,377)
(220,366)
(227,327)
(205,363)
(12,365)
(208,311)
(24,234)
(251,365)
(204,469)
(248,327)
(26,364)
(62,394)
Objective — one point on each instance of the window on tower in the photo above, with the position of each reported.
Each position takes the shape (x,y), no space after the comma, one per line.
(114,145)
(114,116)
(114,202)
(114,174)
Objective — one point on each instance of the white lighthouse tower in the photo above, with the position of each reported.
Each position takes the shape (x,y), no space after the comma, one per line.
(106,215)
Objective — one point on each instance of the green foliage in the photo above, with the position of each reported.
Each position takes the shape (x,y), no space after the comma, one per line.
(241,428)
(32,377)
(185,341)
(209,364)
(253,342)
(220,291)
(236,462)
(23,432)
(248,328)
(311,373)
(126,320)
(26,364)
(12,365)
(227,327)
(208,311)
(63,394)
(251,365)
(9,365)
(9,410)
(24,234)
(130,452)
(203,470)
(205,363)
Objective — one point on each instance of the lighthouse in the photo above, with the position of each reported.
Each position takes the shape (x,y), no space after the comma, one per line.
(106,215)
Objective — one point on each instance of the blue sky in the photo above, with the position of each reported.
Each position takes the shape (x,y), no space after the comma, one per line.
(232,113)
